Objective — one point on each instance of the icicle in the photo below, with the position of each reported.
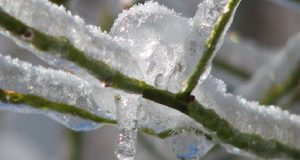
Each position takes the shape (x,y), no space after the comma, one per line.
(127,113)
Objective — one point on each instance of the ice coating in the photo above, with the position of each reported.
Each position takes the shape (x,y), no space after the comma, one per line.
(56,86)
(189,146)
(166,55)
(159,118)
(127,113)
(208,14)
(275,72)
(247,116)
(145,30)
(175,57)
(67,88)
(59,22)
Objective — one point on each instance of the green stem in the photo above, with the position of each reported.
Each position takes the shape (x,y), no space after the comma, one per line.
(277,91)
(60,2)
(12,97)
(44,104)
(176,131)
(224,132)
(210,47)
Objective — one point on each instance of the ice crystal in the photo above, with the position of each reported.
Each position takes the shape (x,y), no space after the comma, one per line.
(245,115)
(145,30)
(127,112)
(59,22)
(54,85)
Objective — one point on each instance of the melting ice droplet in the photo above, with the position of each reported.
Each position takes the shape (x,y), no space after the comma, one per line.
(189,146)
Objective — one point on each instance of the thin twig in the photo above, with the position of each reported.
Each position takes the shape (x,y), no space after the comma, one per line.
(210,47)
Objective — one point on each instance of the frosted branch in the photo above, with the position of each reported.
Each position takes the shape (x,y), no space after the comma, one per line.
(216,112)
(60,23)
(56,86)
(221,24)
(243,118)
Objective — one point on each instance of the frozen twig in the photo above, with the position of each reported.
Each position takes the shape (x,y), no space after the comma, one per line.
(211,46)
(205,109)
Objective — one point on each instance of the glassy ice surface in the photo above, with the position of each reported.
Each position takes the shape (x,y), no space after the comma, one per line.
(59,22)
(208,14)
(145,30)
(276,71)
(189,146)
(149,38)
(127,114)
(159,118)
(247,116)
(166,54)
(53,85)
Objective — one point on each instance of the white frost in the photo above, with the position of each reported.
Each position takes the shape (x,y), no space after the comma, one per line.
(270,122)
(53,85)
(56,21)
(166,55)
(60,86)
(149,42)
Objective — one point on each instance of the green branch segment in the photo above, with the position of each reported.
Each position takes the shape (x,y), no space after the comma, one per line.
(245,141)
(210,47)
(224,132)
(61,45)
(37,102)
(60,2)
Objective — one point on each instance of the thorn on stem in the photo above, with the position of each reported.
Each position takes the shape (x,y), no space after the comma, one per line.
(191,99)
(27,34)
(107,84)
